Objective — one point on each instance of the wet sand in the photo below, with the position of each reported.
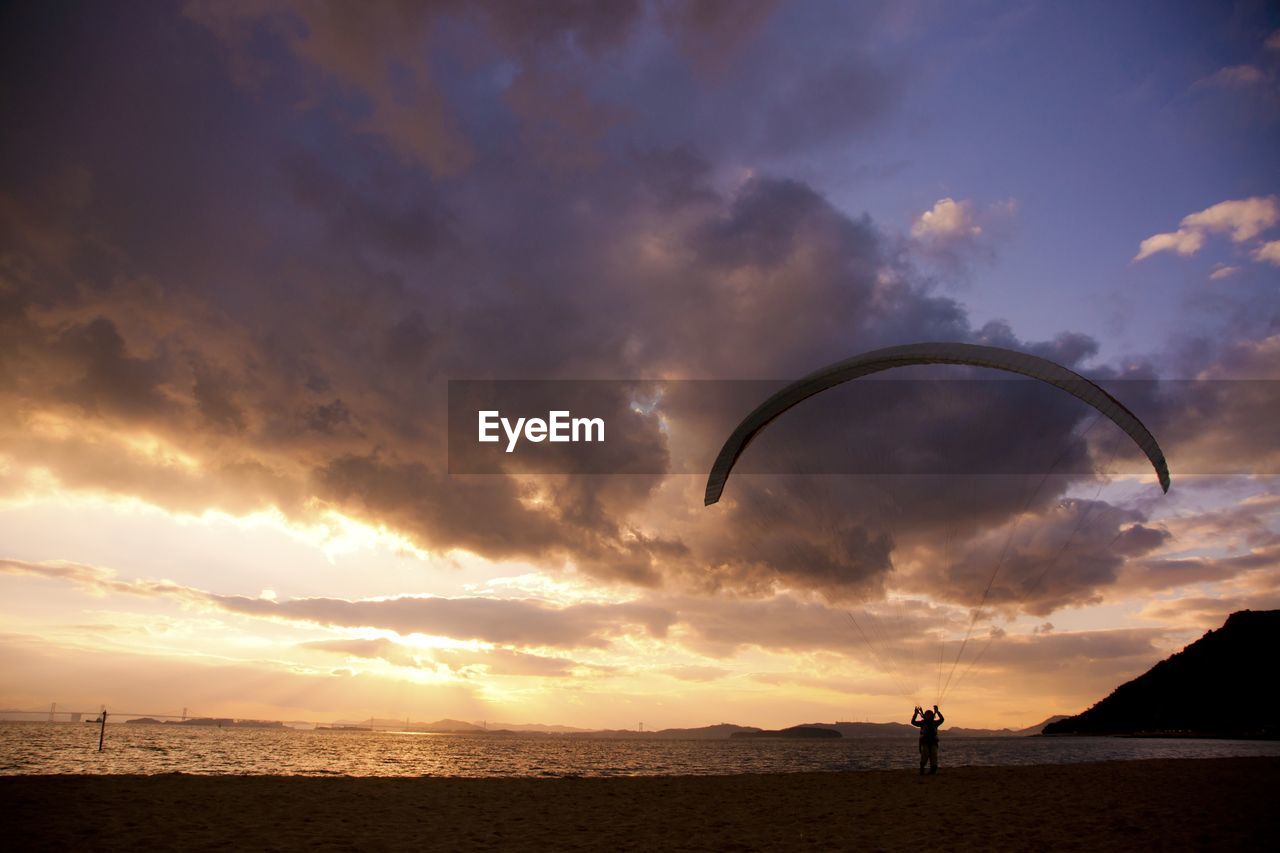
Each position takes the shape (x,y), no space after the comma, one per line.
(1204,804)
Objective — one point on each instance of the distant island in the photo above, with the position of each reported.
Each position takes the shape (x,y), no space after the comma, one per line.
(1222,685)
(383,724)
(793,732)
(217,722)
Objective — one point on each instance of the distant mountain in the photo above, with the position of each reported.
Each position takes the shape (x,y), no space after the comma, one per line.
(869,730)
(1216,687)
(445,726)
(960,731)
(530,727)
(719,731)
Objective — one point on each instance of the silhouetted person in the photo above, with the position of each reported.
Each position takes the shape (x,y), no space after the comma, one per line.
(927,722)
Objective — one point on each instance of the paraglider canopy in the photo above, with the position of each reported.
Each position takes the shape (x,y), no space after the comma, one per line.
(888,358)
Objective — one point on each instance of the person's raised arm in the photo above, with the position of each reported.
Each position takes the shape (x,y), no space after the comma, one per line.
(915,717)
(938,715)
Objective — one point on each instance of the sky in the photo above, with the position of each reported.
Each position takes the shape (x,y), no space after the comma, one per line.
(245,247)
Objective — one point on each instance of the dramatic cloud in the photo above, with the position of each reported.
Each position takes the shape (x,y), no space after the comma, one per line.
(1268,252)
(1065,554)
(501,621)
(948,219)
(237,278)
(286,348)
(954,234)
(1183,242)
(492,661)
(335,402)
(905,639)
(97,579)
(290,352)
(1151,575)
(1045,661)
(1241,220)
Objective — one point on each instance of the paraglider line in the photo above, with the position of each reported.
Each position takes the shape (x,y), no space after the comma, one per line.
(1005,550)
(1080,520)
(875,656)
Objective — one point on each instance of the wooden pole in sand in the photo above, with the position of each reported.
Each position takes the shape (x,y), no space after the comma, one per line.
(103,730)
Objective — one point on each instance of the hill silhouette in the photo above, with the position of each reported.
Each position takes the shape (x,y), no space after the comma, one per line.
(445,726)
(717,732)
(792,732)
(1222,685)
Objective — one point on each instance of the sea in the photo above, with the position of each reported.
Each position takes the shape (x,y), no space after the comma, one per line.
(43,748)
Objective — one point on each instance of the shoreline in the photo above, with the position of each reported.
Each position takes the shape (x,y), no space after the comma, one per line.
(1201,803)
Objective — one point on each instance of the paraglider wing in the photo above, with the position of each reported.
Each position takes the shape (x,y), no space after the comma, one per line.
(931,353)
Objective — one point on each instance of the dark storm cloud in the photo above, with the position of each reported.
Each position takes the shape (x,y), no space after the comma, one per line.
(943,462)
(710,33)
(486,515)
(106,377)
(568,79)
(269,245)
(270,290)
(1066,553)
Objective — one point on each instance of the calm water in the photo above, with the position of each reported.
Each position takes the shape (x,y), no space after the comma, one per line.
(67,748)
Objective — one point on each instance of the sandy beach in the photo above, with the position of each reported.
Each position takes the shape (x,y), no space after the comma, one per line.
(1207,804)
